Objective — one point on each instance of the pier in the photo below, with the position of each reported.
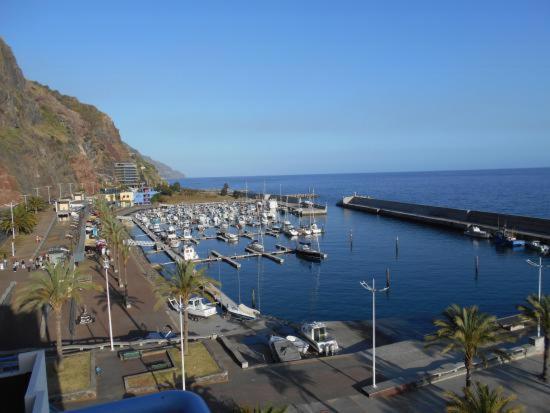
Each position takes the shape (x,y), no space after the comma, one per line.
(528,228)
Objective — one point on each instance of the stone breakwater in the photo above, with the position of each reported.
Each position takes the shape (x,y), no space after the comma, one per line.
(526,227)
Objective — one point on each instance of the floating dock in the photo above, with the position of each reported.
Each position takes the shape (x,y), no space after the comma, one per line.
(529,228)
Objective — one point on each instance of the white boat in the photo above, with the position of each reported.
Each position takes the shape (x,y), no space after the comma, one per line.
(283,349)
(316,334)
(189,253)
(174,243)
(200,307)
(300,344)
(538,246)
(242,311)
(231,237)
(476,232)
(187,234)
(256,246)
(315,230)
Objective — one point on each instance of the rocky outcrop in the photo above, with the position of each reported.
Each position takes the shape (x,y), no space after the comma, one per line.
(48,138)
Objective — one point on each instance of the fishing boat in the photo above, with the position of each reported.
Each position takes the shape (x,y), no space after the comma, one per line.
(300,344)
(283,350)
(242,312)
(476,232)
(536,245)
(316,334)
(506,239)
(305,250)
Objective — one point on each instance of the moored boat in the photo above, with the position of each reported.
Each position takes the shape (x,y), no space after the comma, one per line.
(305,250)
(476,232)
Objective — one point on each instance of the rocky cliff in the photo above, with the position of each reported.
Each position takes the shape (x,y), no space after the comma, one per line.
(47,138)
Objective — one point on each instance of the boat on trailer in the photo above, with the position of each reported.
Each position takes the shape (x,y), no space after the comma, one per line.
(316,334)
(283,349)
(242,312)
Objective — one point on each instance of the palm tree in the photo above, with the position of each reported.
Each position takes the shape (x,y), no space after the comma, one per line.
(125,255)
(185,282)
(539,311)
(481,400)
(469,331)
(56,286)
(36,203)
(114,233)
(23,221)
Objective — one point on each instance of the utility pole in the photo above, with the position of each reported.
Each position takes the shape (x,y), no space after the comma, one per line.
(59,190)
(49,199)
(93,188)
(540,267)
(25,197)
(373,290)
(36,191)
(71,189)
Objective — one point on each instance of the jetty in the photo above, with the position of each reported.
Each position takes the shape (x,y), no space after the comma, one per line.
(529,228)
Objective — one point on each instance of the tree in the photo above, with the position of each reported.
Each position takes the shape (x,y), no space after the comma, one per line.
(185,282)
(481,400)
(57,285)
(113,232)
(469,331)
(23,220)
(175,187)
(225,189)
(125,255)
(536,310)
(36,204)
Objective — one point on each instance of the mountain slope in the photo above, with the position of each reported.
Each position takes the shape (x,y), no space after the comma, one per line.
(47,138)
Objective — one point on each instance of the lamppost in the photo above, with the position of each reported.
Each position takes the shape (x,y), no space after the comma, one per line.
(373,290)
(106,267)
(180,310)
(540,267)
(12,231)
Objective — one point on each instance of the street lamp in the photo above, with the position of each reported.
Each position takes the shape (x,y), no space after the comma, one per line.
(540,267)
(180,310)
(11,205)
(106,267)
(373,290)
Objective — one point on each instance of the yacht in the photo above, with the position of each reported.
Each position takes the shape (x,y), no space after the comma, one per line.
(306,251)
(256,246)
(315,229)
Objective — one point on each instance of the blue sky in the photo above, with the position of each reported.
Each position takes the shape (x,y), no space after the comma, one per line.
(256,88)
